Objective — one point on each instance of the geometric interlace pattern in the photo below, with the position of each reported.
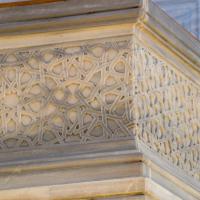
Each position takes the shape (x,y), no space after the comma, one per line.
(79,94)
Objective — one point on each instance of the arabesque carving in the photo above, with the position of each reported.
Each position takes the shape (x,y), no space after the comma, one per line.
(96,92)
(167,109)
(61,95)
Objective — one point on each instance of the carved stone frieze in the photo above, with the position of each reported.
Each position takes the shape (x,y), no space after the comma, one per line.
(166,107)
(58,95)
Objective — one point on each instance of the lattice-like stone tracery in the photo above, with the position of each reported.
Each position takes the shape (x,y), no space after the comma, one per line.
(86,93)
(65,95)
(169,111)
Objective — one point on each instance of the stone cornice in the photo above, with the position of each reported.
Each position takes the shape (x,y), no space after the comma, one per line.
(128,170)
(69,15)
(13,3)
(167,33)
(69,11)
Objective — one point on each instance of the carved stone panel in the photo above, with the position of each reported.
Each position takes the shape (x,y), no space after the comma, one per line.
(166,107)
(99,91)
(59,95)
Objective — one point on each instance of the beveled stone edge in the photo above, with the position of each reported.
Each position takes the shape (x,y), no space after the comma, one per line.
(63,8)
(24,2)
(151,168)
(170,34)
(100,188)
(68,15)
(165,168)
(60,153)
(71,22)
(133,186)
